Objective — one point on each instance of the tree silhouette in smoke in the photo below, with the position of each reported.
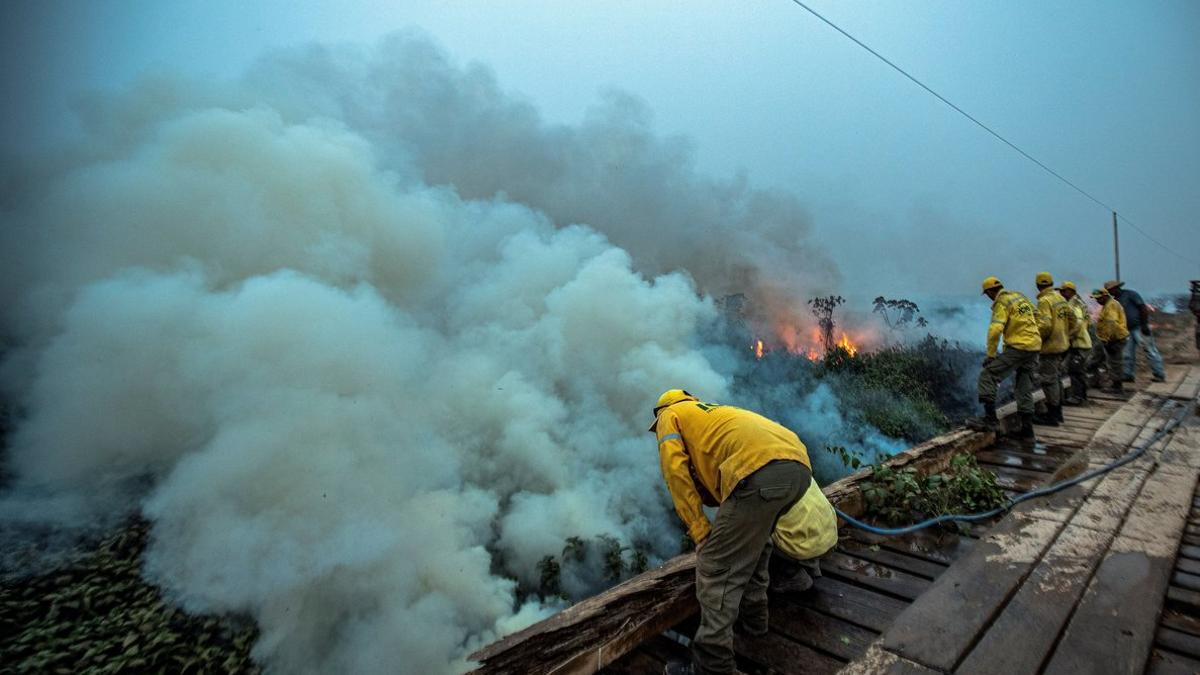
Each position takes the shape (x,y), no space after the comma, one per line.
(822,308)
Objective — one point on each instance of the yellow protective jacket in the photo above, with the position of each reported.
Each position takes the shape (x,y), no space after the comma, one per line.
(719,445)
(1014,317)
(1056,321)
(1111,323)
(809,529)
(1082,338)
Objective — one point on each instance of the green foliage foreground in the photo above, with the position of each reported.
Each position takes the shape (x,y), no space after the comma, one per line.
(901,497)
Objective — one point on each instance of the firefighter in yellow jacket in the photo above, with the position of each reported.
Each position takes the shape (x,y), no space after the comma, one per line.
(756,470)
(1015,319)
(1081,345)
(1113,333)
(1056,323)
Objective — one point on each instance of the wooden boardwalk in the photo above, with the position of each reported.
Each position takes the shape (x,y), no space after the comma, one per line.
(1036,591)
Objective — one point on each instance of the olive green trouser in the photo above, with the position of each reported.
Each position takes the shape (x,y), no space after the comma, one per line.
(1077,358)
(731,568)
(1050,372)
(1114,356)
(1009,360)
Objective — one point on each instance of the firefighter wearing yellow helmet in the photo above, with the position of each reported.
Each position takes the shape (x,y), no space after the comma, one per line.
(756,470)
(1015,320)
(1113,334)
(1081,345)
(1056,323)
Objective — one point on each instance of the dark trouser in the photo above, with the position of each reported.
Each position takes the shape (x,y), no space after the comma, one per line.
(731,568)
(1050,372)
(1077,359)
(1114,354)
(1009,360)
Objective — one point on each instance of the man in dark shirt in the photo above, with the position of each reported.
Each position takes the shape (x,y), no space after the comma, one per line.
(1137,319)
(1194,305)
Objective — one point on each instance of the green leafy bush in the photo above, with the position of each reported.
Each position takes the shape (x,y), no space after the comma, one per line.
(902,496)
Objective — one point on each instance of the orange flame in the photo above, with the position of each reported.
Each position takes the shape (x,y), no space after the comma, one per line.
(758,349)
(846,344)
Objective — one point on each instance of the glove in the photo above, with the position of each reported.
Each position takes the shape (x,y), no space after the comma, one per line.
(1146,329)
(988,361)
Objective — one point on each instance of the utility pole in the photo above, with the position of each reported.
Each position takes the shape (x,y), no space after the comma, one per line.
(1116,248)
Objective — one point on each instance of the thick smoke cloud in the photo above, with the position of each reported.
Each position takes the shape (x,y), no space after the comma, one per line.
(334,331)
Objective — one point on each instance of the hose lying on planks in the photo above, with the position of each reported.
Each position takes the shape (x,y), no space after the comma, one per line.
(1040,492)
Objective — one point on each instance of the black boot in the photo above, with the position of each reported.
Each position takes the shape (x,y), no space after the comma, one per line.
(1026,430)
(1057,410)
(986,423)
(1046,419)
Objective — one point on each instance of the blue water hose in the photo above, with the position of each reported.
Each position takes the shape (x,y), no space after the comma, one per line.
(1040,492)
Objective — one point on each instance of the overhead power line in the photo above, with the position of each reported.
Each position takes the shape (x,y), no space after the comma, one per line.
(993,132)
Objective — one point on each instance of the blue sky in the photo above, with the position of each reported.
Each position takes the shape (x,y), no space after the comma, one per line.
(908,196)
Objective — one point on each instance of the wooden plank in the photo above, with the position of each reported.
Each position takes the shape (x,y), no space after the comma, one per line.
(819,631)
(783,656)
(1019,460)
(1035,478)
(1185,580)
(1179,641)
(873,575)
(933,544)
(1114,494)
(1177,620)
(939,628)
(1034,616)
(1014,482)
(595,632)
(894,560)
(1187,564)
(1189,600)
(1112,628)
(1159,514)
(1189,551)
(859,606)
(878,661)
(1060,506)
(1163,662)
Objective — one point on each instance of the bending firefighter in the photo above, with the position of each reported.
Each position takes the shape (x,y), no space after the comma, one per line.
(1015,319)
(756,470)
(1057,324)
(1113,334)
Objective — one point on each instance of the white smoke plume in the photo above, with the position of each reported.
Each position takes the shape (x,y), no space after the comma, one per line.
(336,331)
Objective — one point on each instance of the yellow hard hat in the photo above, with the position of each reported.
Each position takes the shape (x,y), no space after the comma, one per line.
(1044,279)
(990,283)
(669,398)
(1068,284)
(1113,283)
(1099,293)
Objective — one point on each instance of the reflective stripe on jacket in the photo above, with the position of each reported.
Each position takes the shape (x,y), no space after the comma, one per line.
(720,445)
(1014,317)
